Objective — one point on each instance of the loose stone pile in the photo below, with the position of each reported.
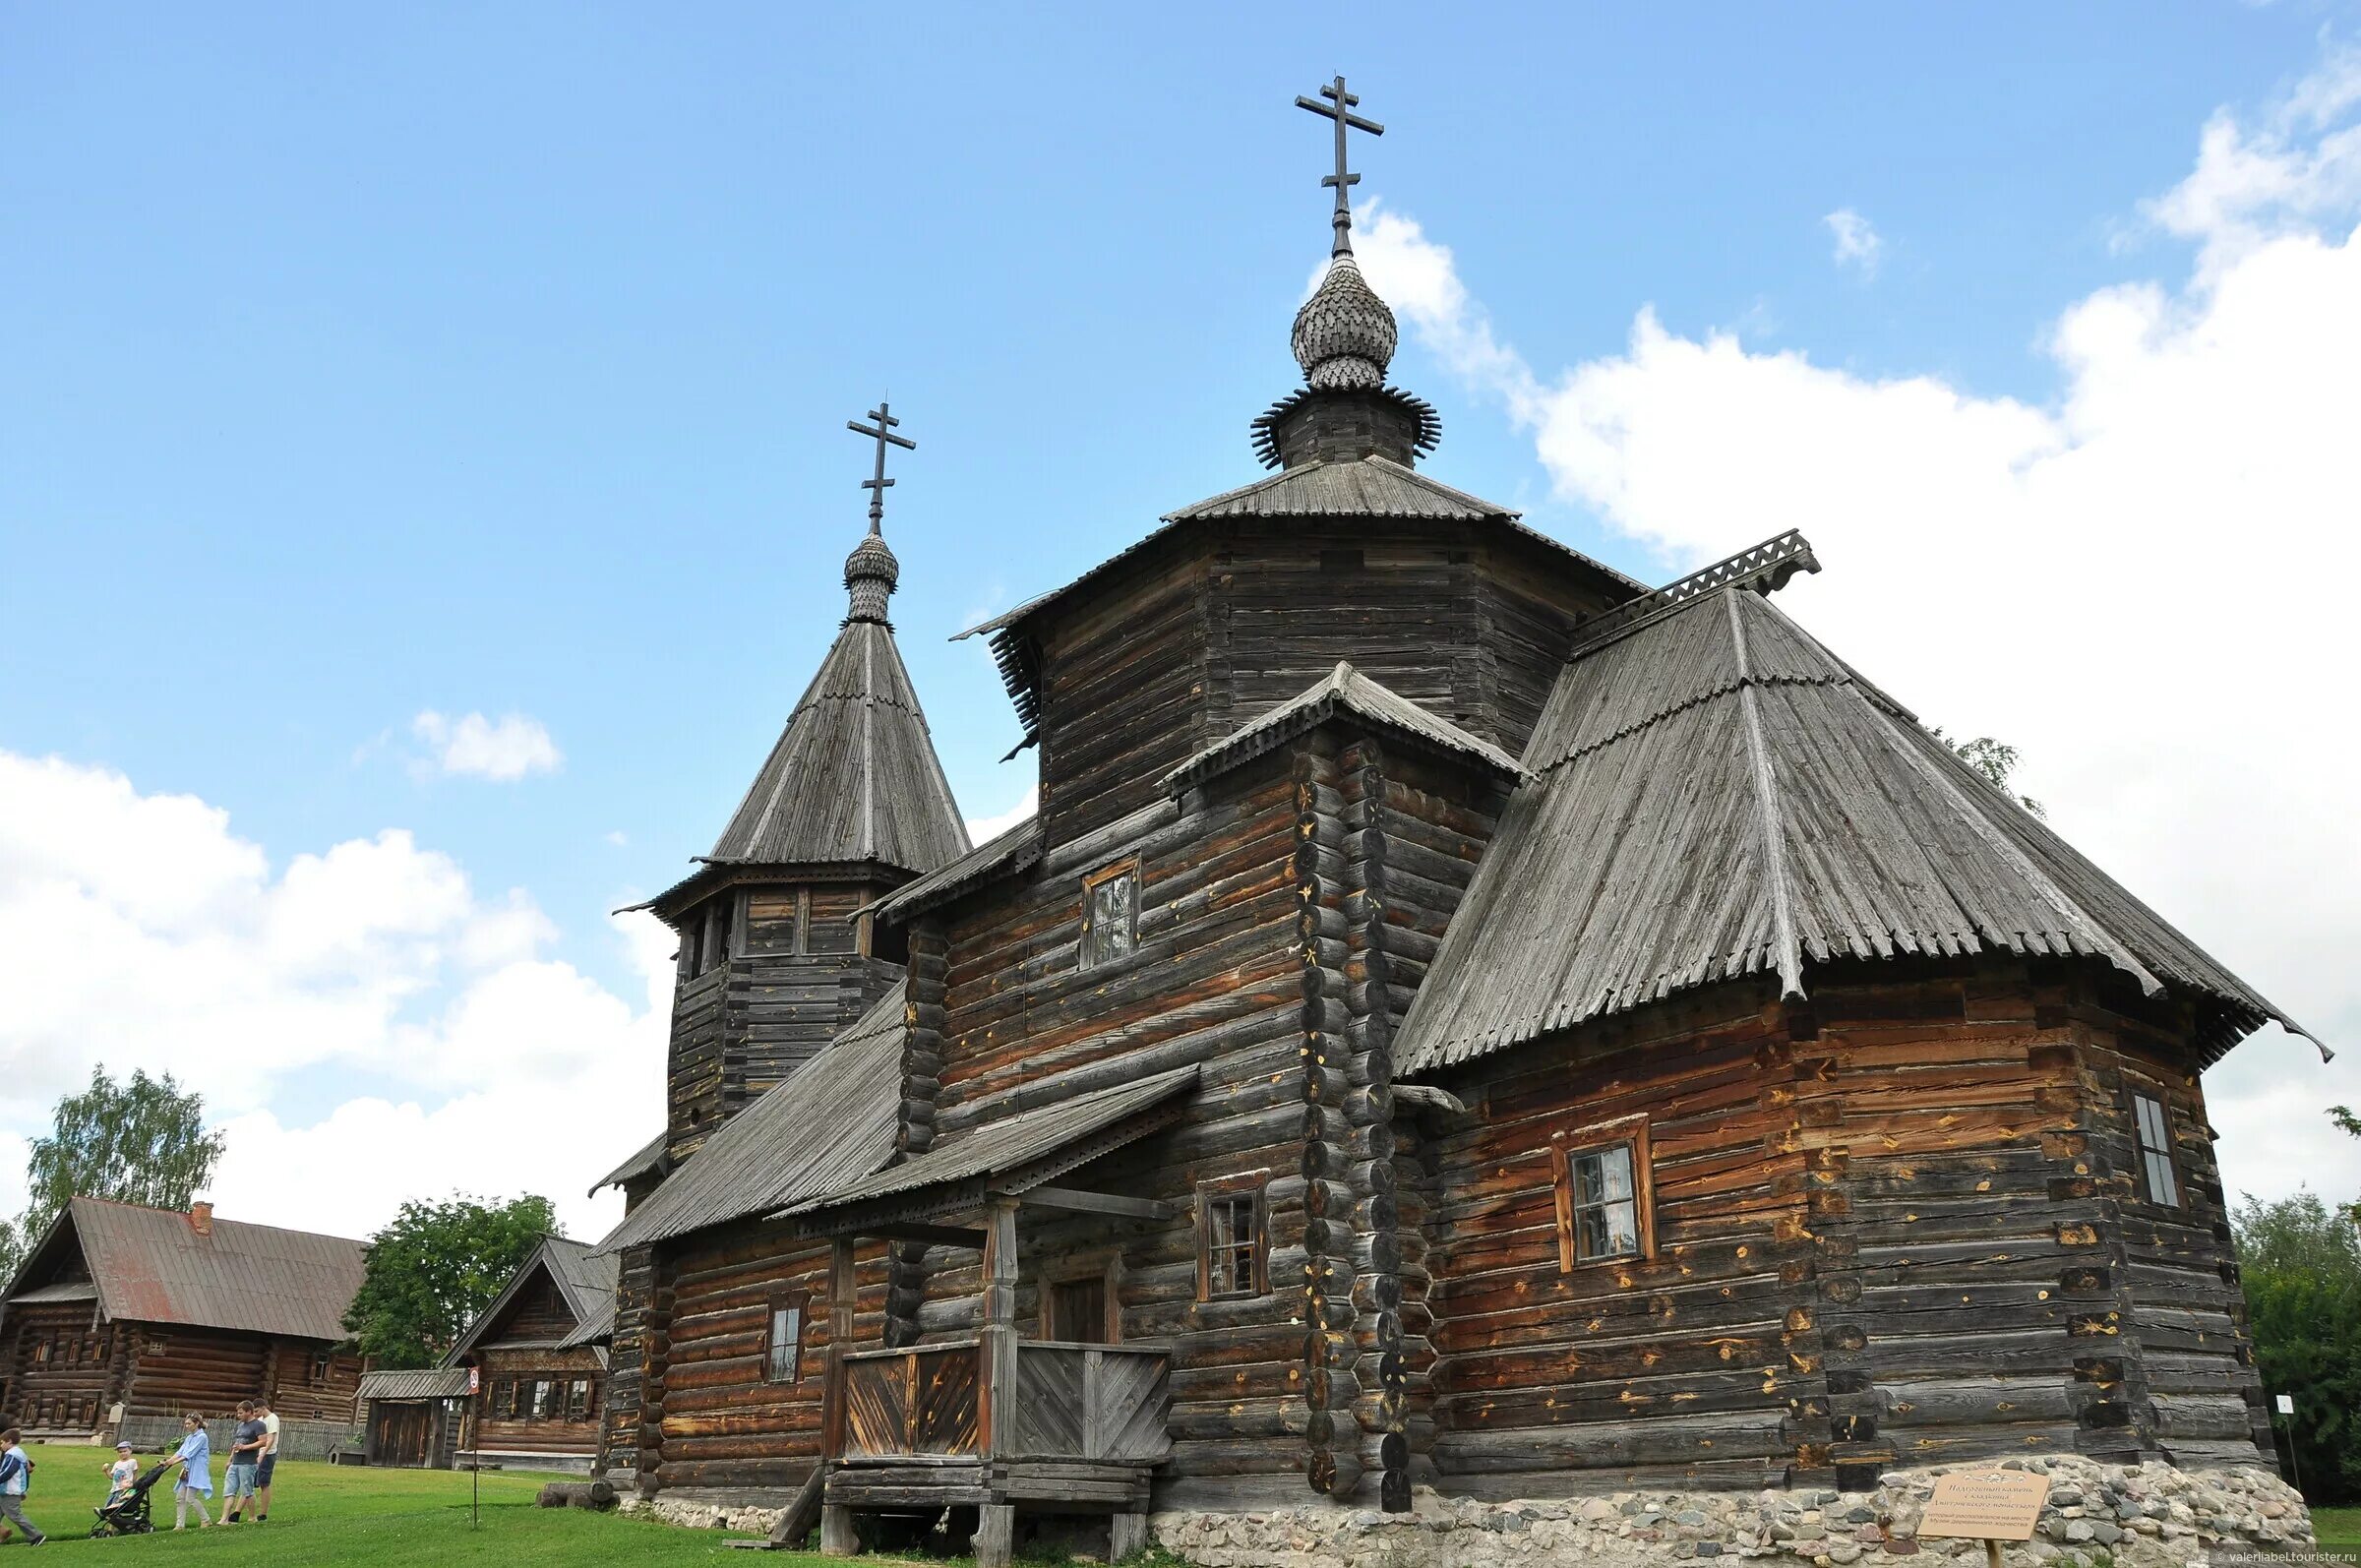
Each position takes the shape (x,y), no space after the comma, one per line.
(2136,1516)
(694,1515)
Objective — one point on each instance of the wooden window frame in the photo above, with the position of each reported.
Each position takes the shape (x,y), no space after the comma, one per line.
(1255,1185)
(800,1304)
(580,1410)
(1567,1145)
(1104,1264)
(1091,884)
(2135,1088)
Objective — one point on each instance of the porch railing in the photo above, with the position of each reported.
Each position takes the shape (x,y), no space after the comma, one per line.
(1097,1403)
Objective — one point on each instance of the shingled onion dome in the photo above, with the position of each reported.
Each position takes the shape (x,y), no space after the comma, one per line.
(1344,338)
(1345,335)
(869,574)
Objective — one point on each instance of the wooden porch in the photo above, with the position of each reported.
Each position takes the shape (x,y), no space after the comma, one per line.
(996,1423)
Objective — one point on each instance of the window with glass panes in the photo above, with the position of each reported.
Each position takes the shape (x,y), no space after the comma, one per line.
(1601,1173)
(1110,914)
(784,1353)
(1230,1259)
(2155,1148)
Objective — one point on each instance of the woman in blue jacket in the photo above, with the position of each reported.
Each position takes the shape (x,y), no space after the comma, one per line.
(196,1484)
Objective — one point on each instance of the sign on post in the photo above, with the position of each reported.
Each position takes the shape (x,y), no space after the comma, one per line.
(472,1375)
(2286,1403)
(1986,1505)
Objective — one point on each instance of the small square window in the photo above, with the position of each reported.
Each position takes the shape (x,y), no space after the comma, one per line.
(2155,1150)
(782,1361)
(1110,914)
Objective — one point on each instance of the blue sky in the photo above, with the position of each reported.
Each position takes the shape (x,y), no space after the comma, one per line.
(365,363)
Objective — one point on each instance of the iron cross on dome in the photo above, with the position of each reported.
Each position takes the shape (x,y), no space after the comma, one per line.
(882,434)
(1340,109)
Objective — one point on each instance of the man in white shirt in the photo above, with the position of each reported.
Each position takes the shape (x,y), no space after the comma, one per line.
(269,1461)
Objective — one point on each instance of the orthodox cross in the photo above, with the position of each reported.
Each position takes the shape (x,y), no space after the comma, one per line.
(877,484)
(1340,109)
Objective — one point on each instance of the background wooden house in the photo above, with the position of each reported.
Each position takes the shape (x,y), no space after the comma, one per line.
(414,1419)
(540,1351)
(123,1319)
(1459,1018)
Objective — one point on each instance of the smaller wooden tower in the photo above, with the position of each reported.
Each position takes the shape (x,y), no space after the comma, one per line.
(775,955)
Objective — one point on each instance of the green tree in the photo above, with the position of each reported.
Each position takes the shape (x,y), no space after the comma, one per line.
(140,1141)
(1995,759)
(437,1266)
(2300,1260)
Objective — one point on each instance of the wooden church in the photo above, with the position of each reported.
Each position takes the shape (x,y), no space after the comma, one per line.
(1460,1018)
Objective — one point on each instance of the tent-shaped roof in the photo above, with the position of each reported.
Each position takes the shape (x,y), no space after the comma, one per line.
(854,776)
(584,1279)
(830,1122)
(1341,689)
(1721,795)
(155,1266)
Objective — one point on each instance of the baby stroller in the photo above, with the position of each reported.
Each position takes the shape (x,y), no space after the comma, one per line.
(128,1514)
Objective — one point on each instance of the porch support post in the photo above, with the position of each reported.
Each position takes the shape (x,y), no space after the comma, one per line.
(837,1537)
(843,1299)
(1127,1536)
(1000,1334)
(996,1535)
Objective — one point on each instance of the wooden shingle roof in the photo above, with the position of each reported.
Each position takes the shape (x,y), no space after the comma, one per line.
(854,776)
(828,1124)
(585,1281)
(1720,796)
(1023,1149)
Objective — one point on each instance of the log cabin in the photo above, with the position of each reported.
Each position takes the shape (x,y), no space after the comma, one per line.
(1459,1018)
(124,1319)
(539,1354)
(412,1419)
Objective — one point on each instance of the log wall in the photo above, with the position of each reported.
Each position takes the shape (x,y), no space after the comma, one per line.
(60,1369)
(1900,1226)
(1216,980)
(713,1419)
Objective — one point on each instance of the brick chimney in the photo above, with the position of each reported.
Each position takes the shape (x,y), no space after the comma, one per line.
(200,1218)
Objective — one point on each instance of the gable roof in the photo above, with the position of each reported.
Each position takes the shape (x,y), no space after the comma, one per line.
(152,1266)
(585,1281)
(1365,487)
(1721,795)
(829,1122)
(1028,1148)
(1341,689)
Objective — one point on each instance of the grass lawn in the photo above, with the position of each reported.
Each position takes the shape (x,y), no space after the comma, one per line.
(2338,1529)
(325,1516)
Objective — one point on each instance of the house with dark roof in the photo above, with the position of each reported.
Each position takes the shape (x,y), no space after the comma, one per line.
(1460,1019)
(539,1355)
(124,1319)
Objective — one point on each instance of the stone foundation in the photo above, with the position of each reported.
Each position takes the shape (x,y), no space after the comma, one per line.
(2136,1516)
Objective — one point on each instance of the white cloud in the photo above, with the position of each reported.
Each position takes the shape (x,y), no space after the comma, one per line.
(471,745)
(1857,243)
(980,829)
(138,931)
(619,838)
(2142,583)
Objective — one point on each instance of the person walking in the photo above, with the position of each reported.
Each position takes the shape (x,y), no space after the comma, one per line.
(269,1459)
(245,1459)
(16,1478)
(195,1483)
